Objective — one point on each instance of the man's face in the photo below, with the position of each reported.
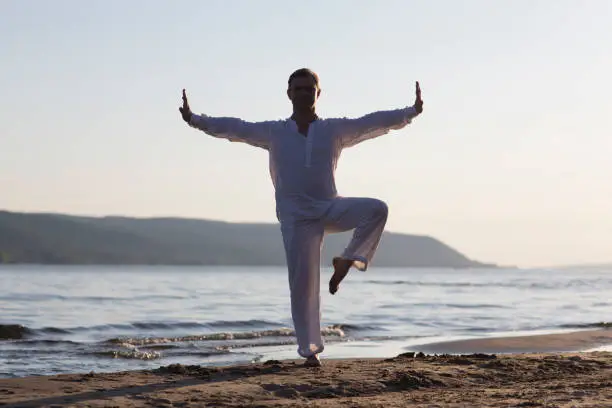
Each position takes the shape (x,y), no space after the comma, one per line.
(303,92)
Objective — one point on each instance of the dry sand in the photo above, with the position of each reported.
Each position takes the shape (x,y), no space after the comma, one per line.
(409,380)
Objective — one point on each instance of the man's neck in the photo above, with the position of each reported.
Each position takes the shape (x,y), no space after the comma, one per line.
(304,116)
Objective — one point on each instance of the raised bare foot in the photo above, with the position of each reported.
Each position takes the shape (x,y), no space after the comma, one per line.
(341,268)
(313,361)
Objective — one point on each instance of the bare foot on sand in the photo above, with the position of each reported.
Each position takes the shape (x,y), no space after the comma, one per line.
(341,268)
(313,361)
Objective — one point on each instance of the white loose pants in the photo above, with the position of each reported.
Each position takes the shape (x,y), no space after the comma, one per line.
(303,240)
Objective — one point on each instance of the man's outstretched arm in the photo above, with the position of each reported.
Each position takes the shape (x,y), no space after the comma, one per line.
(354,131)
(233,129)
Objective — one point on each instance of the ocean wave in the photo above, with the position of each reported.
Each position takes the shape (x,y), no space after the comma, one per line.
(134,353)
(48,342)
(598,325)
(460,305)
(334,330)
(214,324)
(162,347)
(359,327)
(18,332)
(141,341)
(52,330)
(513,284)
(129,354)
(38,297)
(243,323)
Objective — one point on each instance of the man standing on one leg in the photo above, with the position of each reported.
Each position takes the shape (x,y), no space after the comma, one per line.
(304,150)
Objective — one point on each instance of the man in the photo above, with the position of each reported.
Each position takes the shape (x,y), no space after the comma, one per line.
(304,151)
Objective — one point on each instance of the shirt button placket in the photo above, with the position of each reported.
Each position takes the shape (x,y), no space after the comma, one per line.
(308,150)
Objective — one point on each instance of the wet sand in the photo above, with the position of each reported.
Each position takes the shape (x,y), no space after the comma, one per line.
(543,379)
(558,342)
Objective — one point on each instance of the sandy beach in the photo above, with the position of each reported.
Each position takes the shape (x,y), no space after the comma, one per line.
(548,378)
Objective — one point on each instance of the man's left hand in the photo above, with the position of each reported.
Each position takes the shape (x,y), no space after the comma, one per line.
(418,103)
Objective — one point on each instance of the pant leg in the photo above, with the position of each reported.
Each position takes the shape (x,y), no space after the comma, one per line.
(303,242)
(367,217)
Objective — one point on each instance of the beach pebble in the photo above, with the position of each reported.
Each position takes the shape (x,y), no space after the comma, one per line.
(287,393)
(162,402)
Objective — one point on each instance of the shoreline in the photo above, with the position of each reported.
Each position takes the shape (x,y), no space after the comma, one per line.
(567,341)
(499,371)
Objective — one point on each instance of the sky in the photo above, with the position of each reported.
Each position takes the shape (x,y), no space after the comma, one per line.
(510,162)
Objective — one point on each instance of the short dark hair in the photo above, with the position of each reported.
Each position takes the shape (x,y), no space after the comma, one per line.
(304,72)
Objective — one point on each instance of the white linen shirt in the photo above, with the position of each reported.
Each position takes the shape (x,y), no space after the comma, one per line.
(303,168)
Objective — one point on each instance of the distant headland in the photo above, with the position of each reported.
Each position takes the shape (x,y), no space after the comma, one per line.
(49,238)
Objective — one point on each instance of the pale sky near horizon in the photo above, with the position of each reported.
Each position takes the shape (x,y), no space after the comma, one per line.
(510,162)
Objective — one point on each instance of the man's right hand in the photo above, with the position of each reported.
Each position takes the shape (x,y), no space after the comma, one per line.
(185,110)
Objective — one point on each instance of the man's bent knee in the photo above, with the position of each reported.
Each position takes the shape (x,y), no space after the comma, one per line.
(380,209)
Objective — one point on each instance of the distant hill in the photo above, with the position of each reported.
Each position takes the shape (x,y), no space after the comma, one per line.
(66,239)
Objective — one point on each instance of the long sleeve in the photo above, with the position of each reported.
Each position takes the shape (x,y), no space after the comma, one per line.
(357,130)
(233,129)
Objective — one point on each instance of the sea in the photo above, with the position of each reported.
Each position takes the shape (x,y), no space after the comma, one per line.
(81,319)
